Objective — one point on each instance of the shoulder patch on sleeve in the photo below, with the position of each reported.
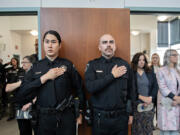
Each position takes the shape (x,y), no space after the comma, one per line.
(74,67)
(87,66)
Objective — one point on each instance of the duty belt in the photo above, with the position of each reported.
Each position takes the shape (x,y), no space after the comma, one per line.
(66,103)
(110,114)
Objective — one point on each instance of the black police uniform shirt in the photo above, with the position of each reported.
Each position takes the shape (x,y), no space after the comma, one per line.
(13,76)
(109,93)
(53,92)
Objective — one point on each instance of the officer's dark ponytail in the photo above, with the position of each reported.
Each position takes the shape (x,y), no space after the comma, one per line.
(53,32)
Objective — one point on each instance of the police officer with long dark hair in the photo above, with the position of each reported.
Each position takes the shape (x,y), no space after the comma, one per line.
(54,79)
(24,124)
(12,76)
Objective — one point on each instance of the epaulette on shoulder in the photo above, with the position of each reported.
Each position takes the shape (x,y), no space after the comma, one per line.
(94,60)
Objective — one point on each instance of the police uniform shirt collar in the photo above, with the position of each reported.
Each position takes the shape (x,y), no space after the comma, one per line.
(104,60)
(50,63)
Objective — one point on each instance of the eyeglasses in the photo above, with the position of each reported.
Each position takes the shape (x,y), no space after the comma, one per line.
(25,62)
(106,41)
(175,55)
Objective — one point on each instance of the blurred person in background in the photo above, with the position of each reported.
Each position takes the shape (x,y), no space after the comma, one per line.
(24,124)
(155,65)
(12,74)
(168,107)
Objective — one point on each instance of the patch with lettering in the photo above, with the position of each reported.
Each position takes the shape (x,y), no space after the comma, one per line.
(99,71)
(37,73)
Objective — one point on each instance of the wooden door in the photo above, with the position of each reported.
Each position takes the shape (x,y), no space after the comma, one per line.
(81,29)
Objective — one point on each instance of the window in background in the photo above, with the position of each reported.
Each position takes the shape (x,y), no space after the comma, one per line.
(163,38)
(175,31)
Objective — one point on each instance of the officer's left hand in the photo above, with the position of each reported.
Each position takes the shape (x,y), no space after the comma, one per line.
(26,106)
(79,119)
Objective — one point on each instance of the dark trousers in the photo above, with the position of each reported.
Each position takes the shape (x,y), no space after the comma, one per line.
(63,123)
(110,123)
(11,110)
(24,127)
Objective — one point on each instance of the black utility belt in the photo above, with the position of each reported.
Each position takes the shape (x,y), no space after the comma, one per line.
(50,110)
(66,103)
(110,114)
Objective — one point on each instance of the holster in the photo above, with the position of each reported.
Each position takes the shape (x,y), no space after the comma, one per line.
(88,114)
(76,106)
(35,116)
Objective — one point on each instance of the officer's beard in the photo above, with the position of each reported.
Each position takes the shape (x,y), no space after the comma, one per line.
(107,56)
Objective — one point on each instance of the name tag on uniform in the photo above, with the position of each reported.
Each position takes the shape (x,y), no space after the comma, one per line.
(99,71)
(37,73)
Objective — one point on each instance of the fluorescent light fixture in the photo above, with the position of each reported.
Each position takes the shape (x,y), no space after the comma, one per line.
(135,32)
(34,32)
(162,18)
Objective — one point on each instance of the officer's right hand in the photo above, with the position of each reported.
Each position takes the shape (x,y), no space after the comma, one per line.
(118,71)
(52,74)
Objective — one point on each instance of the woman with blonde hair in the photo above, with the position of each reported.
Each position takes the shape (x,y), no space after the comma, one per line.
(155,62)
(168,108)
(155,65)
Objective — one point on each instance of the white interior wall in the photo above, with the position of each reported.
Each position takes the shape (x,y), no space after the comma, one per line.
(6,38)
(153,41)
(28,45)
(9,27)
(144,24)
(90,3)
(23,23)
(135,44)
(20,3)
(152,3)
(140,43)
(64,3)
(16,41)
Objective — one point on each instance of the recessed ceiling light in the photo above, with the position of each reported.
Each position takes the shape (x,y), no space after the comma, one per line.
(162,18)
(34,32)
(135,32)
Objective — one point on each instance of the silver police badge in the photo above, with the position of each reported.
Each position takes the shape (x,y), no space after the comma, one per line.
(64,67)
